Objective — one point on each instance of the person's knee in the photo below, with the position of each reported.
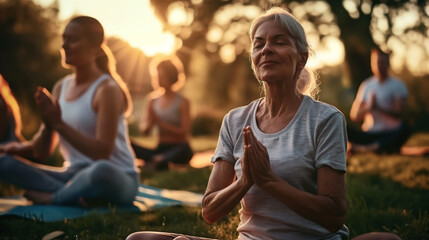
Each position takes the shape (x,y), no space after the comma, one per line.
(181,238)
(102,172)
(150,236)
(6,163)
(135,236)
(377,236)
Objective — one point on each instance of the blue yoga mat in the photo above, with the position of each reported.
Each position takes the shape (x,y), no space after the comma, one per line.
(147,198)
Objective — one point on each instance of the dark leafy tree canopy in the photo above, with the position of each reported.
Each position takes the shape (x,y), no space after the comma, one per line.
(399,27)
(29,46)
(29,50)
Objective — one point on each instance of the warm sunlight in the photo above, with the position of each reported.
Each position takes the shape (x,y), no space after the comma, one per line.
(330,52)
(135,22)
(132,21)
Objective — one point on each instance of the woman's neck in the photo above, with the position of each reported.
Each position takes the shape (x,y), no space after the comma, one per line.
(169,92)
(87,73)
(280,100)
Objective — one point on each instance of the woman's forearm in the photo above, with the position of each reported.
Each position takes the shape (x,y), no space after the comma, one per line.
(22,149)
(44,143)
(185,121)
(223,193)
(176,130)
(89,146)
(218,204)
(325,209)
(358,111)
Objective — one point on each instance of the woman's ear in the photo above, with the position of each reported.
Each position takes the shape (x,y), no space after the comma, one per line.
(303,60)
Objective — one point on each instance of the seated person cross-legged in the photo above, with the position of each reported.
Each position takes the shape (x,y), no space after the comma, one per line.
(169,112)
(283,156)
(379,106)
(86,117)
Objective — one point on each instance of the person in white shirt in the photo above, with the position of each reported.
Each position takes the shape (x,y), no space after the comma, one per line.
(379,106)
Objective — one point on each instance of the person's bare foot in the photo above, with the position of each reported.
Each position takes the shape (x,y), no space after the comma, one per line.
(157,159)
(38,197)
(418,151)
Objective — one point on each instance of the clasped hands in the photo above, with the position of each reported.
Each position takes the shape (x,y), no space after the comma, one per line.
(48,108)
(370,103)
(255,163)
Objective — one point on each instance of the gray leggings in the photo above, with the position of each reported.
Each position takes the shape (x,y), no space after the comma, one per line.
(99,180)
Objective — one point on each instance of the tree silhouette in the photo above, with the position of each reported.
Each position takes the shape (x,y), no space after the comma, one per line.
(29,53)
(362,25)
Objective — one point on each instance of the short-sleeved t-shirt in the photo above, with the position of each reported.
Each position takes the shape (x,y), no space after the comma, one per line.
(315,137)
(386,93)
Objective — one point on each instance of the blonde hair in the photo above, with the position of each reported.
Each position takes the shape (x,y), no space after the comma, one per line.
(12,105)
(307,83)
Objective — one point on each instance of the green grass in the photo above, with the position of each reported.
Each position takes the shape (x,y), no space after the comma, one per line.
(380,204)
(384,193)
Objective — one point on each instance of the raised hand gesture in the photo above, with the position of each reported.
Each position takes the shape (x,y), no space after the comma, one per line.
(48,108)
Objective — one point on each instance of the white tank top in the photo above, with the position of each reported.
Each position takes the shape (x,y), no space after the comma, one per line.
(170,114)
(80,115)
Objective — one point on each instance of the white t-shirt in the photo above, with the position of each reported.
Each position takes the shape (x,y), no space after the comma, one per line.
(316,136)
(386,93)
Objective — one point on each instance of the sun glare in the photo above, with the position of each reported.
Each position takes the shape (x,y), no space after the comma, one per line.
(132,21)
(135,22)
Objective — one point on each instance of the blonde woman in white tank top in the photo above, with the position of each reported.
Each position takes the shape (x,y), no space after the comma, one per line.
(86,115)
(169,111)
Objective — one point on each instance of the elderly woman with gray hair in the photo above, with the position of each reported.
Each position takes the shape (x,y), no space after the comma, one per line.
(283,156)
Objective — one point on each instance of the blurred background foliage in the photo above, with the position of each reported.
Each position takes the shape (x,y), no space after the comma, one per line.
(213,42)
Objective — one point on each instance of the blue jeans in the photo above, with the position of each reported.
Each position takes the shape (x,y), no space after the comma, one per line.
(99,180)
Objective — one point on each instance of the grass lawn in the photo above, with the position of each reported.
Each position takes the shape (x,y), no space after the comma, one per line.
(384,193)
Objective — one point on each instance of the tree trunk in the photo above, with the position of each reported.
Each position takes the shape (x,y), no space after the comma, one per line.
(357,40)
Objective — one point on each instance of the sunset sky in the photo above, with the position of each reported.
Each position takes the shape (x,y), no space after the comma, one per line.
(133,21)
(136,23)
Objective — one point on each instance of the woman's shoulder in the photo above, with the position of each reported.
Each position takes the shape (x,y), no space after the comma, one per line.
(108,86)
(242,111)
(321,109)
(107,82)
(182,98)
(105,88)
(396,82)
(152,96)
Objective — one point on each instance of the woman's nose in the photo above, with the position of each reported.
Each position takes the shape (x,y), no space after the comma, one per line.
(267,49)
